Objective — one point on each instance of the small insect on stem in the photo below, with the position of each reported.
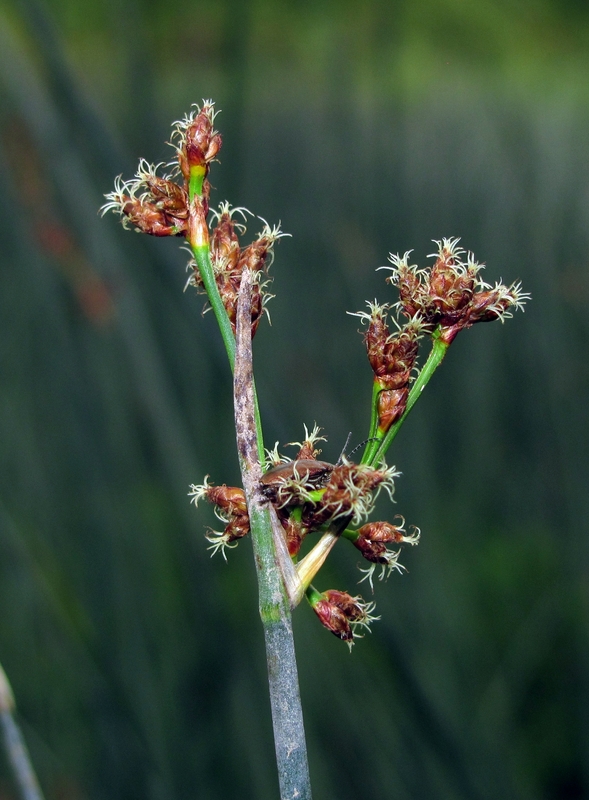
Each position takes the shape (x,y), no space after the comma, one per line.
(303,470)
(306,471)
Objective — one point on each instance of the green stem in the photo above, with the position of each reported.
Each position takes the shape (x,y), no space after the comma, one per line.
(312,595)
(435,358)
(372,446)
(350,535)
(202,256)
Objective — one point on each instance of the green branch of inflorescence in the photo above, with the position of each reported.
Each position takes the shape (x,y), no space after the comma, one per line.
(380,442)
(202,257)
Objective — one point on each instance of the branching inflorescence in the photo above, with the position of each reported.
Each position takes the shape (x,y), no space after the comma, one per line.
(284,502)
(312,496)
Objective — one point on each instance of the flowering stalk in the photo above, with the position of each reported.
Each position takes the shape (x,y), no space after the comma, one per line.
(287,714)
(203,260)
(199,244)
(230,276)
(438,302)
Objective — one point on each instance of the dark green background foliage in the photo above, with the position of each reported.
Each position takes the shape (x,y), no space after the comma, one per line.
(365,127)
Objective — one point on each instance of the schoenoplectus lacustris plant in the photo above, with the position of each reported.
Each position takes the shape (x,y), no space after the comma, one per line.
(283,501)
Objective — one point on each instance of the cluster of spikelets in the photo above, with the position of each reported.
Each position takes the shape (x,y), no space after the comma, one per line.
(229,260)
(439,301)
(160,205)
(451,295)
(311,496)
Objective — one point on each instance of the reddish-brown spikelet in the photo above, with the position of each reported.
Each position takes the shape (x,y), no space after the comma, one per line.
(255,254)
(237,528)
(373,538)
(225,242)
(375,552)
(294,532)
(229,498)
(148,218)
(375,339)
(228,286)
(198,230)
(200,142)
(348,604)
(168,196)
(412,292)
(334,619)
(391,356)
(337,610)
(450,282)
(307,451)
(399,354)
(489,306)
(382,532)
(450,291)
(252,257)
(391,407)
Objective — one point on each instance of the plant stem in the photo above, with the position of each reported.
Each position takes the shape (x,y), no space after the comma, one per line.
(202,257)
(312,595)
(435,358)
(268,543)
(278,583)
(350,534)
(15,747)
(371,445)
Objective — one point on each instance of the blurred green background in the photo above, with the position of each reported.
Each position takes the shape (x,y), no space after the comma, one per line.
(366,127)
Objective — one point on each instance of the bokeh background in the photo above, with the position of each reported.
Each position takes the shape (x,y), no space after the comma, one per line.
(366,127)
